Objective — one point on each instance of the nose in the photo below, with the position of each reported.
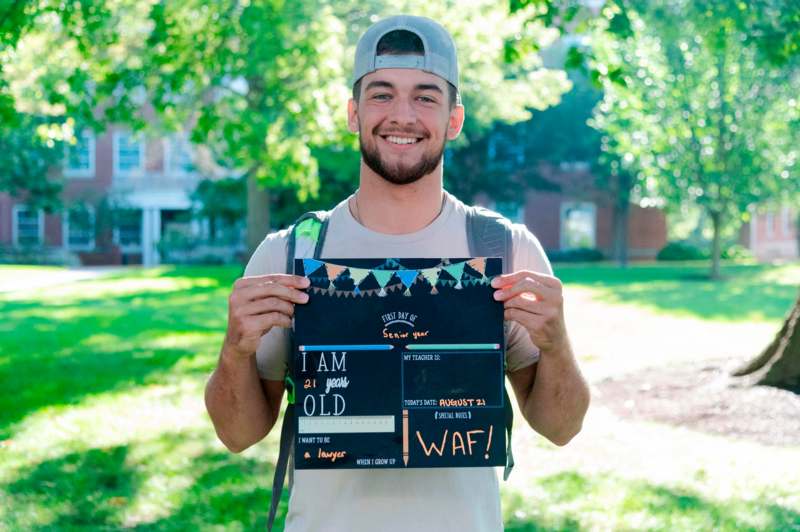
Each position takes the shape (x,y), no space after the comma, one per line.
(403,112)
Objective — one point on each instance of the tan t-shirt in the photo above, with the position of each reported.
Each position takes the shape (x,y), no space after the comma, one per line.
(439,499)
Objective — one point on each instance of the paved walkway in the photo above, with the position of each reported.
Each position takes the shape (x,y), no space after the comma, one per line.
(22,278)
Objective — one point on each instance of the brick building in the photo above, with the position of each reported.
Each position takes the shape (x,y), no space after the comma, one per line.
(772,234)
(122,192)
(573,213)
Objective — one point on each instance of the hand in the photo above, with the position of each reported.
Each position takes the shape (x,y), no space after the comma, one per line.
(256,305)
(535,301)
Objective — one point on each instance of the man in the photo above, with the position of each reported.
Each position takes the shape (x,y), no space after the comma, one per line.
(404,108)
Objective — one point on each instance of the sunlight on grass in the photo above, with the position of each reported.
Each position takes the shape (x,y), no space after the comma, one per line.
(107,406)
(747,293)
(103,425)
(572,501)
(112,287)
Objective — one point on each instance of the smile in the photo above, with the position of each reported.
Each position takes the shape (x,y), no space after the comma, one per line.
(401,140)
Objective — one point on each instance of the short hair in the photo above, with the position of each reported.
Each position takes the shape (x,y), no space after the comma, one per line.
(404,42)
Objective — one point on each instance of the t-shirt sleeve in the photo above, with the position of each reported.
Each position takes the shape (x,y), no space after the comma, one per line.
(528,255)
(273,351)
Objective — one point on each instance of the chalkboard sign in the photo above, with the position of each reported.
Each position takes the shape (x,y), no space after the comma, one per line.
(399,363)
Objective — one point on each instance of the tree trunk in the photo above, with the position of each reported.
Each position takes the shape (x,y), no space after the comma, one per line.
(716,221)
(257,213)
(212,229)
(779,364)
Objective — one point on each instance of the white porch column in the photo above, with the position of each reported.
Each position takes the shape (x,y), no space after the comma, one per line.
(151,234)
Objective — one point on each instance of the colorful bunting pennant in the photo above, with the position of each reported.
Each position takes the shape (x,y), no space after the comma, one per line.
(358,275)
(382,276)
(479,265)
(334,270)
(456,270)
(432,276)
(407,277)
(311,265)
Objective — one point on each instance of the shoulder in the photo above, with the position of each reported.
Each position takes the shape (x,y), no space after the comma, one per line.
(528,251)
(270,255)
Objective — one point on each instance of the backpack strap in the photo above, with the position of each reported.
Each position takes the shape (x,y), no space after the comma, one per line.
(489,235)
(305,240)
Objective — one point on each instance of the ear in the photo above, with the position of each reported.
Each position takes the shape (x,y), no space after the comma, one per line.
(455,122)
(352,115)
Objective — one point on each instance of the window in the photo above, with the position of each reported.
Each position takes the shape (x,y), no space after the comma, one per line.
(128,154)
(79,228)
(786,218)
(79,157)
(769,223)
(28,226)
(128,228)
(578,225)
(179,156)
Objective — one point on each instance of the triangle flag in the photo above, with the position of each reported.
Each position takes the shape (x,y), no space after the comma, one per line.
(310,266)
(456,270)
(479,265)
(432,276)
(358,275)
(382,276)
(407,277)
(334,270)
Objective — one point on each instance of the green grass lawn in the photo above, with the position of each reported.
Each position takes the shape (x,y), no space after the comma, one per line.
(747,292)
(102,422)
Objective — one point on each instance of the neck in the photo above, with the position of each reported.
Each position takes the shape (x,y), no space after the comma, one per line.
(398,209)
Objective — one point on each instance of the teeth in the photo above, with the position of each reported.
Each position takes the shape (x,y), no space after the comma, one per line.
(401,140)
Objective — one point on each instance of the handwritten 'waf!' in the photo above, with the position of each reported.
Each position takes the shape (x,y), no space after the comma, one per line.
(392,276)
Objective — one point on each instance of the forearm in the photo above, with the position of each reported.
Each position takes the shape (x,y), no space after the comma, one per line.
(237,403)
(559,396)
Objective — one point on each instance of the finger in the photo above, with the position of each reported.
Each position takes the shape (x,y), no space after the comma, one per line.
(267,305)
(531,285)
(260,324)
(296,281)
(279,320)
(502,281)
(528,320)
(526,303)
(265,290)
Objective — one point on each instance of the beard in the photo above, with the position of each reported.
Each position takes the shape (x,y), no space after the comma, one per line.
(400,174)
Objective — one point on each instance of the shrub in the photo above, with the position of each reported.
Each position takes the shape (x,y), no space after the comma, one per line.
(737,251)
(681,251)
(576,255)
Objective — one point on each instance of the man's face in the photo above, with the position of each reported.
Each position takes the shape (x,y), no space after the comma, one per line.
(403,119)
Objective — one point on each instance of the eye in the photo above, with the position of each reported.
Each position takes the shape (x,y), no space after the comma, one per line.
(426,99)
(381,96)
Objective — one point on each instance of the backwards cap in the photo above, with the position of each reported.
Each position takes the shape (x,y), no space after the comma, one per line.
(439,55)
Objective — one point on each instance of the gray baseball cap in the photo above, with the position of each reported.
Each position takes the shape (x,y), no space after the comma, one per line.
(439,49)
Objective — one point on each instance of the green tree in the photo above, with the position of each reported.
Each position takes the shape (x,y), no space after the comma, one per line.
(262,83)
(734,58)
(27,154)
(701,116)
